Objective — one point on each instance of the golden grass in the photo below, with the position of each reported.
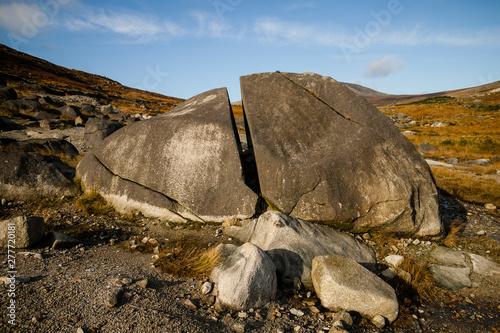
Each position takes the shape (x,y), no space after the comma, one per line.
(467,187)
(452,232)
(93,203)
(422,281)
(188,258)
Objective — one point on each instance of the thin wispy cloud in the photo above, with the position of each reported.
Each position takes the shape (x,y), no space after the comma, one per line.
(383,67)
(272,30)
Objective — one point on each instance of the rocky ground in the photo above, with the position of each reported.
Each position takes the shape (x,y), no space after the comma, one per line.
(103,285)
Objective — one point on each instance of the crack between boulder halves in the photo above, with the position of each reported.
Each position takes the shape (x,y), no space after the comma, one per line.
(150,189)
(324,102)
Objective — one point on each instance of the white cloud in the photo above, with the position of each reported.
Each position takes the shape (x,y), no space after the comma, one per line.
(383,67)
(19,18)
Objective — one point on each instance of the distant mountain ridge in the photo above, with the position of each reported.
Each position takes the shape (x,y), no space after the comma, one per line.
(382,99)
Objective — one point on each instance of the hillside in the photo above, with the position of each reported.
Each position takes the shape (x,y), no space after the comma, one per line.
(467,94)
(29,75)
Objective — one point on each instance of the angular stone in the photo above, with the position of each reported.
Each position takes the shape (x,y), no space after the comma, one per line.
(324,154)
(343,284)
(27,231)
(187,159)
(62,241)
(483,266)
(451,277)
(97,130)
(292,244)
(448,257)
(245,279)
(69,112)
(394,260)
(29,175)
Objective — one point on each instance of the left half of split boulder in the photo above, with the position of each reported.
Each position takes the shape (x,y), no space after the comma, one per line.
(182,165)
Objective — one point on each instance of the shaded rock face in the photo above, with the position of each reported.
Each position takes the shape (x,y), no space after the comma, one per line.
(187,159)
(245,279)
(26,175)
(343,284)
(28,230)
(57,147)
(292,244)
(325,154)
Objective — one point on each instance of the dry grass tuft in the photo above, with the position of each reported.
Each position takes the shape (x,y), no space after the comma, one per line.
(188,258)
(384,242)
(93,203)
(421,285)
(454,229)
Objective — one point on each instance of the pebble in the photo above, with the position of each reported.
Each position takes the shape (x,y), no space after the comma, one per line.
(481,233)
(206,288)
(297,312)
(190,304)
(242,315)
(416,242)
(80,330)
(490,206)
(142,283)
(113,297)
(239,327)
(378,321)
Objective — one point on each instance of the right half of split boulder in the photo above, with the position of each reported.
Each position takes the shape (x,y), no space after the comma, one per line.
(325,154)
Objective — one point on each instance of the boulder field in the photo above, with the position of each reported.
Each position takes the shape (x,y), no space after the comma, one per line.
(315,151)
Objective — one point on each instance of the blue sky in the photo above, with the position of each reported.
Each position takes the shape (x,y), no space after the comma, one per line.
(185,47)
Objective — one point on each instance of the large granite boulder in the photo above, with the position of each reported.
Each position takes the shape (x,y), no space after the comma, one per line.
(292,244)
(343,284)
(182,165)
(325,154)
(29,175)
(246,277)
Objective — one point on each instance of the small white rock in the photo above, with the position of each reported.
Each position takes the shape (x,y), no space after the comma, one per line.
(378,321)
(481,233)
(297,312)
(394,260)
(416,242)
(490,206)
(206,288)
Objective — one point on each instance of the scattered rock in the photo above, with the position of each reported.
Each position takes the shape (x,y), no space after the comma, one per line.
(293,243)
(389,273)
(96,130)
(297,312)
(481,162)
(425,147)
(490,206)
(62,241)
(312,167)
(452,160)
(451,277)
(343,318)
(378,321)
(245,279)
(27,231)
(206,288)
(189,303)
(231,221)
(47,146)
(7,93)
(439,124)
(142,283)
(483,266)
(28,175)
(448,257)
(23,105)
(342,283)
(113,297)
(394,260)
